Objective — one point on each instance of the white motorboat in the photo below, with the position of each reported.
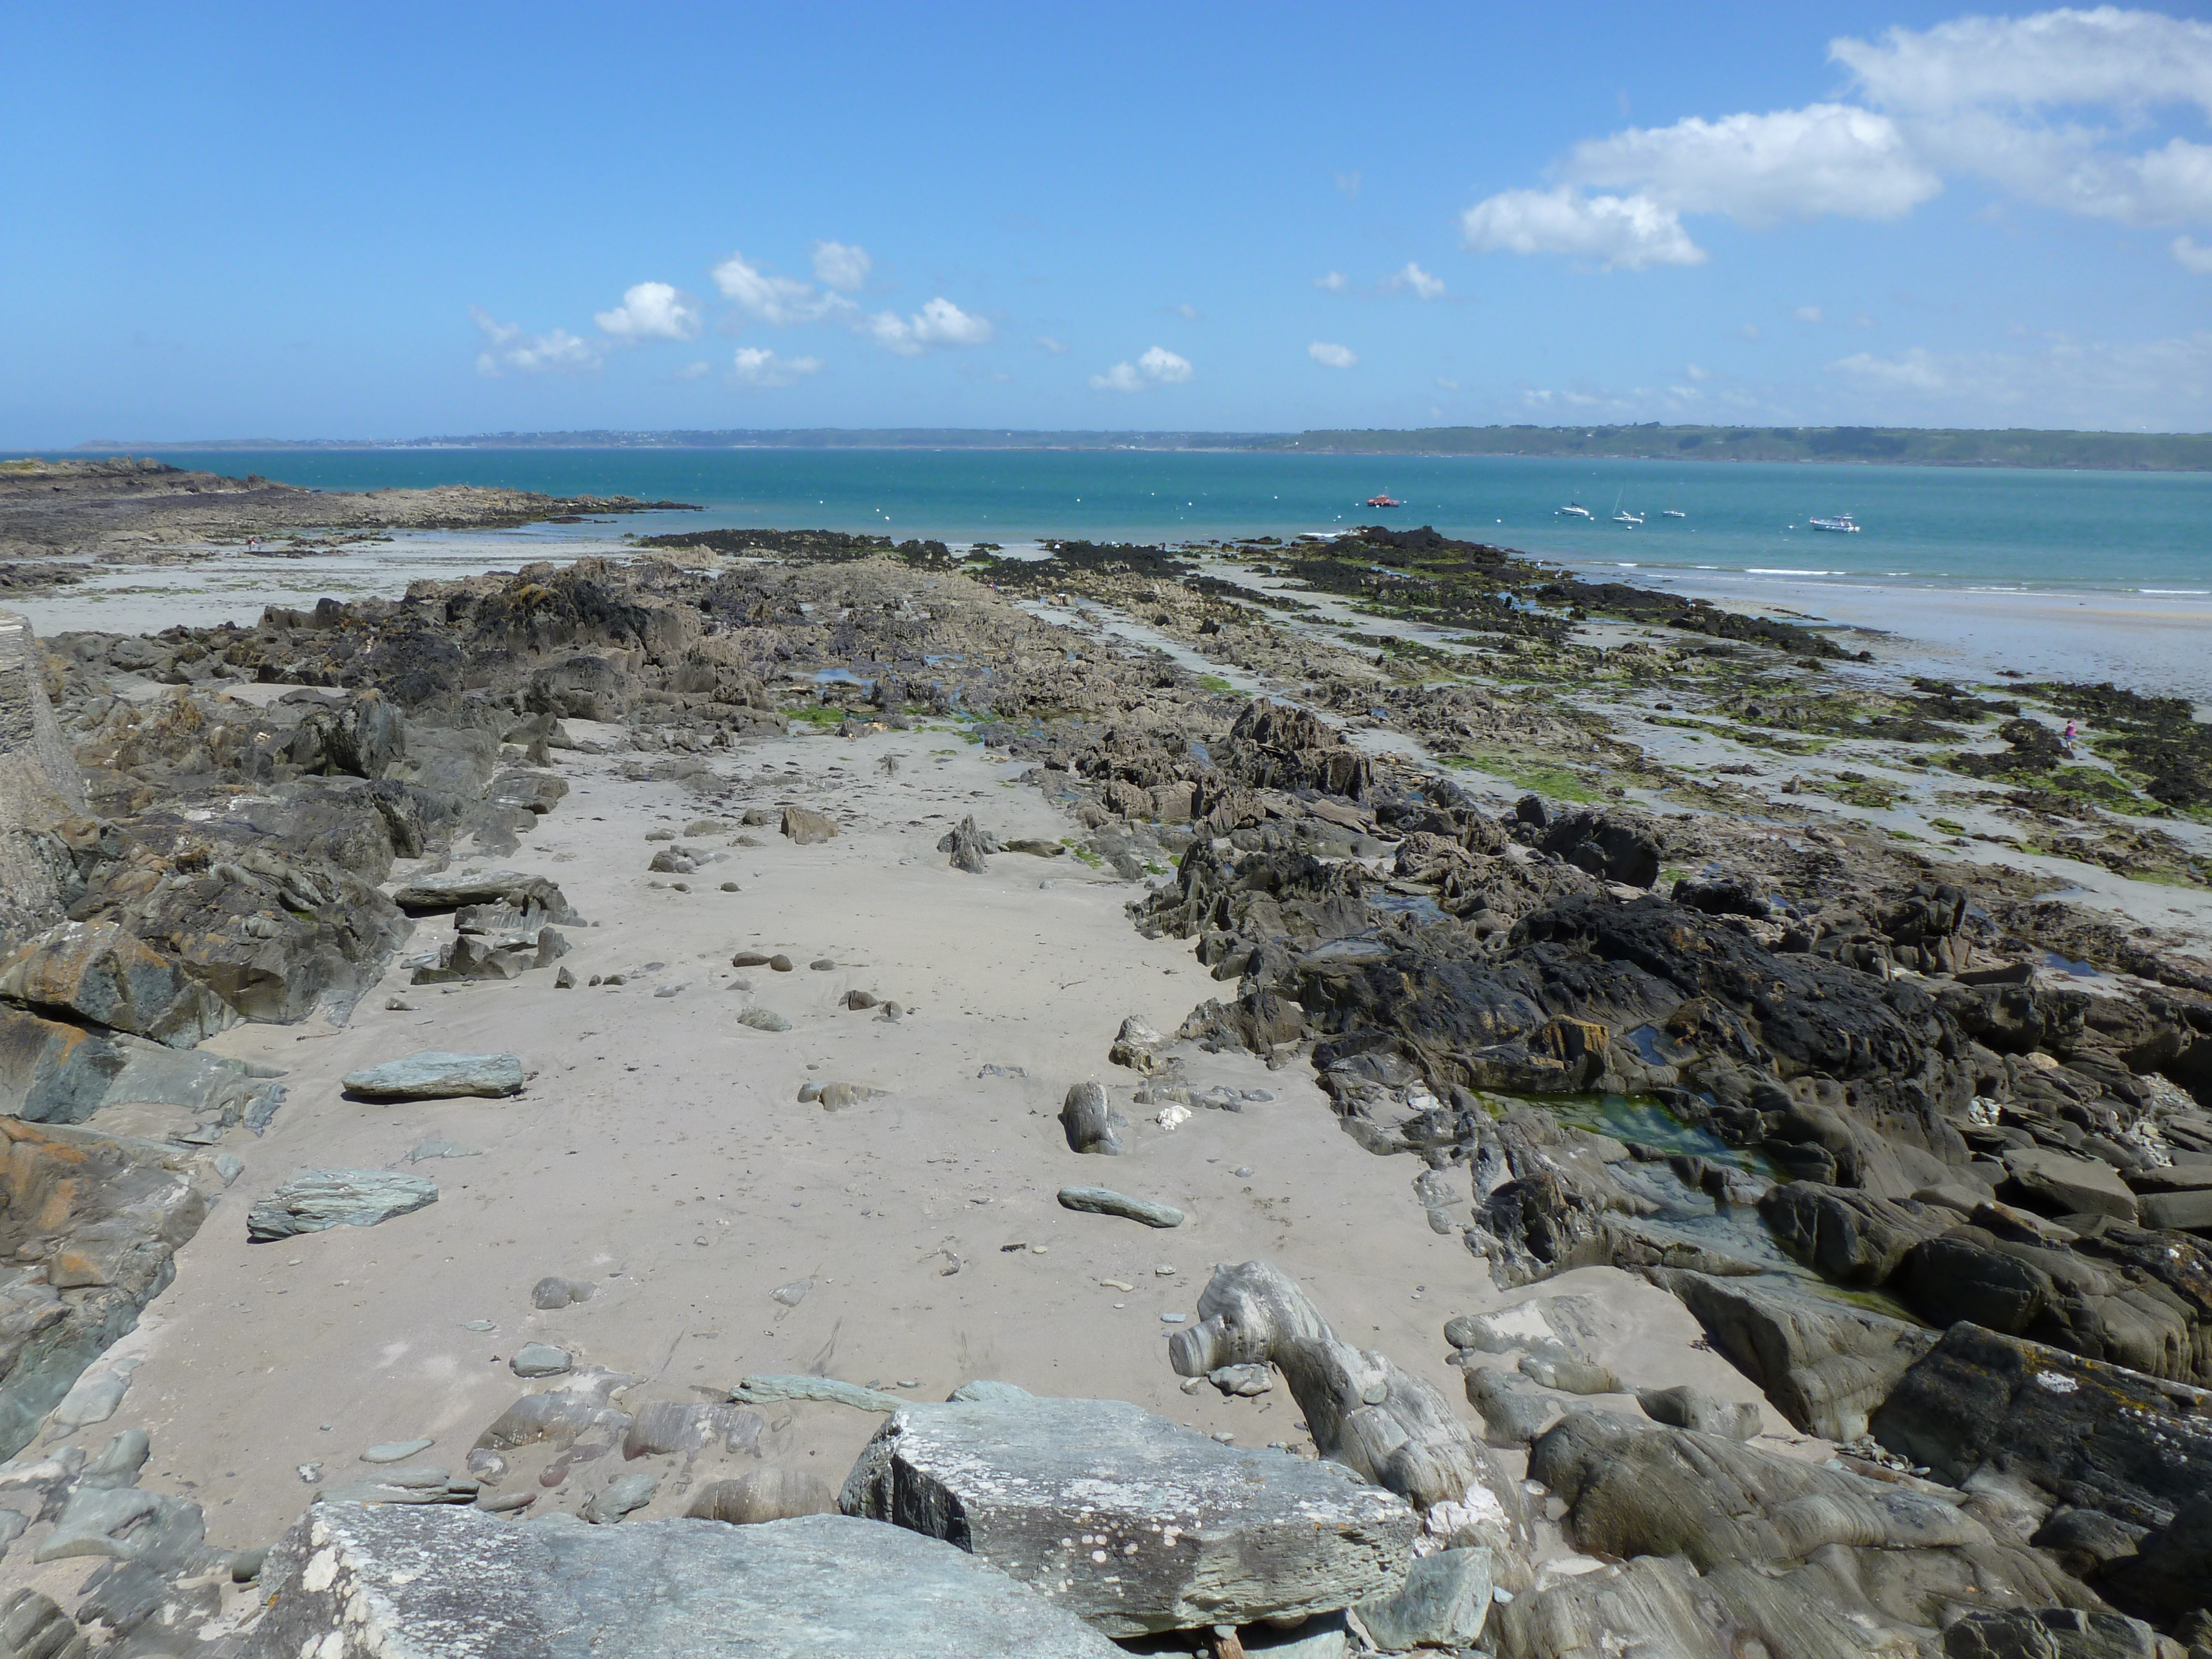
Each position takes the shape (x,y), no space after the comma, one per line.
(1842,524)
(1574,510)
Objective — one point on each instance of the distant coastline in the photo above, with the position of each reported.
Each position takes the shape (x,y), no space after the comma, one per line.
(2114,452)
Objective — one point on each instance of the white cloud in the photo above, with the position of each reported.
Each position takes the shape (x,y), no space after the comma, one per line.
(1058,348)
(1692,371)
(1158,367)
(1187,311)
(1349,184)
(842,265)
(508,349)
(1335,283)
(1424,287)
(695,371)
(2193,258)
(1749,330)
(1335,356)
(2163,385)
(650,311)
(938,323)
(1809,315)
(1826,159)
(778,300)
(1448,384)
(1160,364)
(753,367)
(1625,232)
(2108,57)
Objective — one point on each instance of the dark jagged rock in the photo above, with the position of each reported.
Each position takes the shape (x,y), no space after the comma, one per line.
(1605,846)
(2097,1436)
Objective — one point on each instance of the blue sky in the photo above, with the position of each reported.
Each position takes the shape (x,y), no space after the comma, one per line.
(389,220)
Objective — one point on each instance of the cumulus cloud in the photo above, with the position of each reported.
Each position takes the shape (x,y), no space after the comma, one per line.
(938,323)
(842,265)
(1335,283)
(2193,258)
(507,350)
(1158,367)
(1187,311)
(1626,233)
(1335,356)
(754,366)
(650,311)
(1424,286)
(1809,315)
(698,371)
(2055,110)
(1058,348)
(780,302)
(1826,159)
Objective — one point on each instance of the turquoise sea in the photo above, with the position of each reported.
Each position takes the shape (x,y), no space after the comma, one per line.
(2003,530)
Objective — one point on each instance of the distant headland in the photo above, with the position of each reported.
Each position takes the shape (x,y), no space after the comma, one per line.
(2122,452)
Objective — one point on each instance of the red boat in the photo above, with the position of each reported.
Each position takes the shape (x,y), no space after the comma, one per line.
(1384,500)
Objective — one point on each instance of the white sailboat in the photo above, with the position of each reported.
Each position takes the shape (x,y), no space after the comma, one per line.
(1621,518)
(1672,512)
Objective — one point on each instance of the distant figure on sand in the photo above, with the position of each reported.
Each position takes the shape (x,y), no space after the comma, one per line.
(2071,729)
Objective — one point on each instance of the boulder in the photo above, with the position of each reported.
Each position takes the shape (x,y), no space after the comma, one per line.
(1823,1364)
(536,793)
(967,848)
(1132,1523)
(1851,1236)
(1605,847)
(2169,1573)
(435,1074)
(316,1199)
(761,1495)
(51,1072)
(449,1581)
(2084,1432)
(1684,1407)
(2181,1211)
(96,974)
(807,827)
(1088,1121)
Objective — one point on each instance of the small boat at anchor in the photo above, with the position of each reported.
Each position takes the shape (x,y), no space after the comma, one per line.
(1630,520)
(1842,524)
(1384,500)
(1575,510)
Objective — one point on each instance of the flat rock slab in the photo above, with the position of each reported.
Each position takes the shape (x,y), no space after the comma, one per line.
(1103,1200)
(465,1585)
(2076,1186)
(1131,1522)
(315,1198)
(435,1074)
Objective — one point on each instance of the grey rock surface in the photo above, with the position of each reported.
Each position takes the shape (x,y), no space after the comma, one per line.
(1102,1200)
(759,1495)
(435,1075)
(1684,1407)
(807,827)
(1133,1522)
(1442,1603)
(1822,1365)
(541,1359)
(430,894)
(758,1390)
(96,974)
(315,1198)
(40,787)
(460,1584)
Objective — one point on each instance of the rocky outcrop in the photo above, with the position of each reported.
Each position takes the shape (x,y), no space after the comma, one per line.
(458,1582)
(89,1225)
(96,974)
(38,789)
(1130,1522)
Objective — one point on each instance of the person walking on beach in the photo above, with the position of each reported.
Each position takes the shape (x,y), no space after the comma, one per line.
(2071,732)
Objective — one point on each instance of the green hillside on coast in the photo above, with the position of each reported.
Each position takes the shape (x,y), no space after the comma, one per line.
(2117,451)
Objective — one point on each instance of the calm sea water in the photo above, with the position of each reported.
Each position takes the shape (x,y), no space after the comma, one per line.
(2016,529)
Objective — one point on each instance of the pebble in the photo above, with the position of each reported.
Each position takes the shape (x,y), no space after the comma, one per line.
(669,990)
(428,1149)
(749,959)
(563,980)
(679,886)
(399,1005)
(1115,1285)
(312,1473)
(1004,1070)
(793,1294)
(1242,1172)
(822,964)
(765,1019)
(1165,1270)
(478,1325)
(1170,1319)
(730,887)
(396,1451)
(779,962)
